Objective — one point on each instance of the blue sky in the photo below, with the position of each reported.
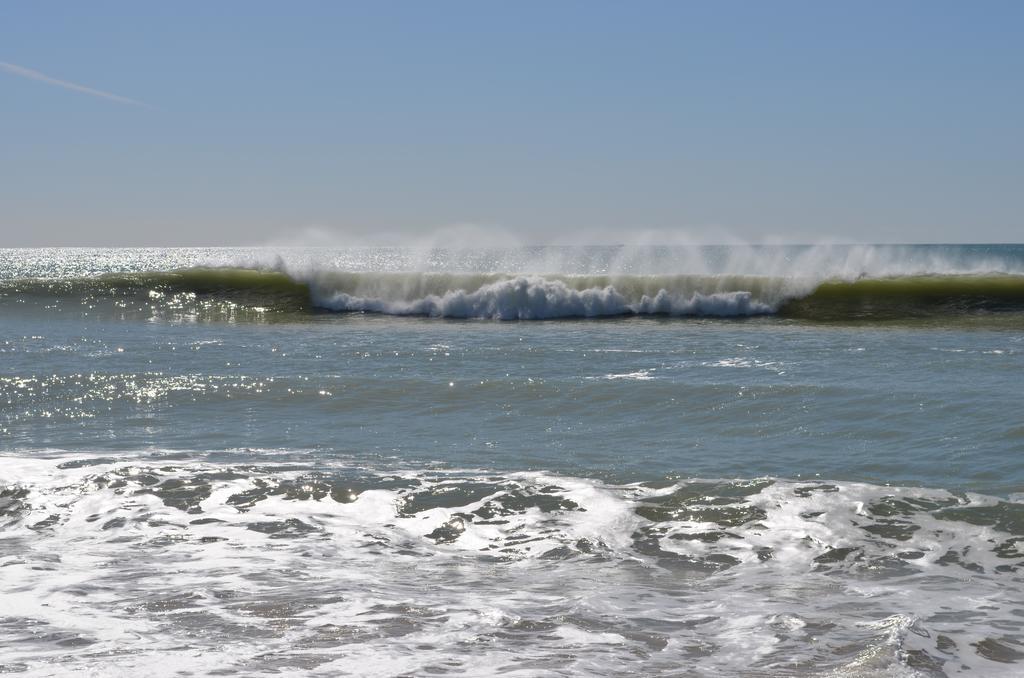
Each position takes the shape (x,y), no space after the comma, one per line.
(257,122)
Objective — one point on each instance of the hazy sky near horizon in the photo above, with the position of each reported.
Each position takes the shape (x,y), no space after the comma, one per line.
(205,123)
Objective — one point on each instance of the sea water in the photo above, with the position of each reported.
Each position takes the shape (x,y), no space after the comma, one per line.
(520,461)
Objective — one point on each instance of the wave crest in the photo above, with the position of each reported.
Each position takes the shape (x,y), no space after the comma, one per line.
(537,298)
(230,293)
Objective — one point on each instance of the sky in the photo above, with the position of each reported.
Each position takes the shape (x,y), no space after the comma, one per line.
(245,123)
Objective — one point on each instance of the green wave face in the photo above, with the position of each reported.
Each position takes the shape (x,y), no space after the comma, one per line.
(187,295)
(909,298)
(216,294)
(243,286)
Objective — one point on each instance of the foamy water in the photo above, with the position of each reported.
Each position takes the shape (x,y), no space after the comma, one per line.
(166,563)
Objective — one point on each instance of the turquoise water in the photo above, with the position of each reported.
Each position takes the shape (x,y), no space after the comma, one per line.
(541,461)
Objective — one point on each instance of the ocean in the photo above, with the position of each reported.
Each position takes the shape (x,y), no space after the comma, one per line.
(521,461)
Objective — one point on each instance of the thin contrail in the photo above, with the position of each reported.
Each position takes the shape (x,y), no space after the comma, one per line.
(42,77)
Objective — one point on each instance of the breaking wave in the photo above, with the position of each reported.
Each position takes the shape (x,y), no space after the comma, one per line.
(500,296)
(537,298)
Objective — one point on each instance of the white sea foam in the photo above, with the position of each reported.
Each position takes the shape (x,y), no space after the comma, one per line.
(537,298)
(135,565)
